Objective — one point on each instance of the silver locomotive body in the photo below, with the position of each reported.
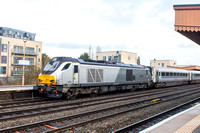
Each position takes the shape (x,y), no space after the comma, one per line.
(76,76)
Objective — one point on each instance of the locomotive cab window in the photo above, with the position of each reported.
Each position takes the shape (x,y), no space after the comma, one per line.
(75,68)
(66,66)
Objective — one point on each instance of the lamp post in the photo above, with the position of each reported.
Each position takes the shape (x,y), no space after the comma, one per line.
(117,53)
(25,37)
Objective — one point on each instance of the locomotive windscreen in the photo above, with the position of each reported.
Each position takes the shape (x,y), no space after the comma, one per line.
(55,62)
(50,67)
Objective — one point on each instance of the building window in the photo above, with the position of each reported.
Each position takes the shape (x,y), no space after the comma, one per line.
(163,65)
(129,58)
(109,58)
(38,49)
(159,64)
(4,59)
(3,70)
(17,70)
(16,60)
(104,58)
(18,49)
(39,60)
(4,48)
(29,50)
(115,58)
(31,60)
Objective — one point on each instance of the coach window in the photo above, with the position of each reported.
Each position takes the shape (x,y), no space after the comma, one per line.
(66,66)
(177,74)
(171,74)
(163,74)
(167,74)
(181,74)
(174,74)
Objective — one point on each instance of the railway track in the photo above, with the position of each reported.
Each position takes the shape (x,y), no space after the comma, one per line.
(65,123)
(42,101)
(11,115)
(145,123)
(21,101)
(32,102)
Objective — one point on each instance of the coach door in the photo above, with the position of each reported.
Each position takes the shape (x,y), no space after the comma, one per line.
(76,76)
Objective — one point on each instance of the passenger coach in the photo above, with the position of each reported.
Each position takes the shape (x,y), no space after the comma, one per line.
(169,77)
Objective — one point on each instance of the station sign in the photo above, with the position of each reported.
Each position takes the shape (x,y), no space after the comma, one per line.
(24,63)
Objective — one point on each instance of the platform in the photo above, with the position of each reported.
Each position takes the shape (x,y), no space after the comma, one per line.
(185,122)
(16,88)
(16,92)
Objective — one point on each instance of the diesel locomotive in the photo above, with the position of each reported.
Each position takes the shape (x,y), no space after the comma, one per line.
(68,77)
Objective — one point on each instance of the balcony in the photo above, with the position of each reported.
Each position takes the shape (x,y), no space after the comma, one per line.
(27,52)
(17,63)
(17,72)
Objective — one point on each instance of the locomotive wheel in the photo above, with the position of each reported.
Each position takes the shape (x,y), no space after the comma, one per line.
(71,95)
(94,93)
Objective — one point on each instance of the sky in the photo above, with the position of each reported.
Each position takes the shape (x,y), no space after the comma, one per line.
(69,27)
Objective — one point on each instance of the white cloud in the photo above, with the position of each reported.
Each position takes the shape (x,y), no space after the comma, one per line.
(143,27)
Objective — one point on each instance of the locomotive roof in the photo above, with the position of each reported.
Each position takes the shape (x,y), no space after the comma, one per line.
(92,62)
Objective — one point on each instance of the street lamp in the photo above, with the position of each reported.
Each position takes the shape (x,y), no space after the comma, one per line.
(25,37)
(117,53)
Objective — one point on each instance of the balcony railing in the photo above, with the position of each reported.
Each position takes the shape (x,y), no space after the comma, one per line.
(17,63)
(27,52)
(17,72)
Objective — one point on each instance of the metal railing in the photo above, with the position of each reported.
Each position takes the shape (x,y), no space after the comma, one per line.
(20,51)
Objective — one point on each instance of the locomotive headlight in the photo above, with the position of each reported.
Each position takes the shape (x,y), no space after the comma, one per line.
(52,81)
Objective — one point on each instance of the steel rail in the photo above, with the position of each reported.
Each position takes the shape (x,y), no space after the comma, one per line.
(17,128)
(22,101)
(5,105)
(149,119)
(58,129)
(45,110)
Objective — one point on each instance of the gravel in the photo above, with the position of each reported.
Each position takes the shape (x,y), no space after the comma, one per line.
(101,126)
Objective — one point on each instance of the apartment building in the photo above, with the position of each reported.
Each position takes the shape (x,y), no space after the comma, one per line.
(117,56)
(12,44)
(162,63)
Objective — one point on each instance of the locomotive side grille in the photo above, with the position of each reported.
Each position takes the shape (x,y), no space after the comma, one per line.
(100,72)
(98,78)
(95,75)
(91,75)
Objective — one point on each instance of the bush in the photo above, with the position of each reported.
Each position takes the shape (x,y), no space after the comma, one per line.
(31,75)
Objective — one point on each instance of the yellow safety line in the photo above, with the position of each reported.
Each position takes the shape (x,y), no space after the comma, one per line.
(190,126)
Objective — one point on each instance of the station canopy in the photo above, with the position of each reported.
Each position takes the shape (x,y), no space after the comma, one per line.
(187,21)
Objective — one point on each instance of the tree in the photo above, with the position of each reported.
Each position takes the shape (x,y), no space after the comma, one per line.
(31,74)
(45,59)
(84,56)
